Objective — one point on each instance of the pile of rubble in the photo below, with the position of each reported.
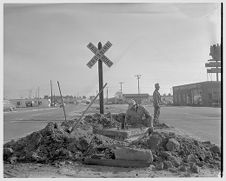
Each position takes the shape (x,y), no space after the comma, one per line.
(53,143)
(176,152)
(102,121)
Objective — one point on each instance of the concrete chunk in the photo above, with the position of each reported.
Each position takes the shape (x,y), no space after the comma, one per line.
(126,153)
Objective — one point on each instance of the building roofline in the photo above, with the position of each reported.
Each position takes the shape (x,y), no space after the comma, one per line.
(197,83)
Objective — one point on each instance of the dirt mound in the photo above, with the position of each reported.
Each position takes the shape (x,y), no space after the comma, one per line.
(179,152)
(55,143)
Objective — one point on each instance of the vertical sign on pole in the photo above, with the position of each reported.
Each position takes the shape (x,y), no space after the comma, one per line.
(215,62)
(100,57)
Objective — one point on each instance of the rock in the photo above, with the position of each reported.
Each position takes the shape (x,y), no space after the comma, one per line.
(126,153)
(172,145)
(196,142)
(153,142)
(194,168)
(206,142)
(182,168)
(166,154)
(167,164)
(82,144)
(174,170)
(175,161)
(172,134)
(191,159)
(36,157)
(200,164)
(215,149)
(208,156)
(155,157)
(201,156)
(13,159)
(159,166)
(7,152)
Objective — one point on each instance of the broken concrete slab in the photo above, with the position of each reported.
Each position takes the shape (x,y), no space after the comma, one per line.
(126,153)
(121,134)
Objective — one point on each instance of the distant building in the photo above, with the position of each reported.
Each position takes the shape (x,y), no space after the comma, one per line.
(139,98)
(8,106)
(198,94)
(22,103)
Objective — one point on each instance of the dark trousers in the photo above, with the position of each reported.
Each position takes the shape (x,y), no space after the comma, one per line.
(156,115)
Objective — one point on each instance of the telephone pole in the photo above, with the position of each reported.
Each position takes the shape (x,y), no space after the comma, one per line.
(51,94)
(138,83)
(107,94)
(121,86)
(138,86)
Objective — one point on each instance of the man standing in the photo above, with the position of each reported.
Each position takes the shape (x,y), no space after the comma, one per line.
(156,104)
(138,116)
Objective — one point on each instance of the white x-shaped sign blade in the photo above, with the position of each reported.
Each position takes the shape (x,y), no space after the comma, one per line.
(99,54)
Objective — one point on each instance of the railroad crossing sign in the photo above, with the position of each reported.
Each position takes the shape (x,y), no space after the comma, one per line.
(99,54)
(100,57)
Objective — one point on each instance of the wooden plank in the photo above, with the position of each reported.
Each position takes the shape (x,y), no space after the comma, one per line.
(116,163)
(90,104)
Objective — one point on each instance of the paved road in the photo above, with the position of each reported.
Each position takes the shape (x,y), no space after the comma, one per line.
(202,122)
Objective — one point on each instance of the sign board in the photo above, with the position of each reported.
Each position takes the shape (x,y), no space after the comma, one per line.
(99,54)
(214,70)
(214,60)
(213,64)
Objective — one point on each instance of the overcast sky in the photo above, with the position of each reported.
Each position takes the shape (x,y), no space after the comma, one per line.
(165,43)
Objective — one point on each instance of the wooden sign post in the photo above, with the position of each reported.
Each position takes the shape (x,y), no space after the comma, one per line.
(100,57)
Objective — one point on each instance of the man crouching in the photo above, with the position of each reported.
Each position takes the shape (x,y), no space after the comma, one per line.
(138,116)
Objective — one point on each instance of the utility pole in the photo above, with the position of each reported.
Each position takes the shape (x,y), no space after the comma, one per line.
(138,83)
(107,95)
(38,96)
(51,94)
(121,85)
(54,99)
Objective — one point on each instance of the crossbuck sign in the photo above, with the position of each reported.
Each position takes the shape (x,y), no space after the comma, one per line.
(100,57)
(99,54)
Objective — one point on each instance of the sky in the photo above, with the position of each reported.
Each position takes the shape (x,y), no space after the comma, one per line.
(168,43)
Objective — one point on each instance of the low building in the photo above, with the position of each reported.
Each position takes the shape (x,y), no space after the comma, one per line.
(22,103)
(198,94)
(139,98)
(8,106)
